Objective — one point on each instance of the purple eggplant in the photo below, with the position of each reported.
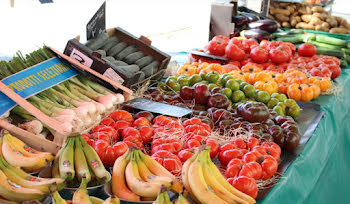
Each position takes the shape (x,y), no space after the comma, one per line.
(239,20)
(251,17)
(257,34)
(266,25)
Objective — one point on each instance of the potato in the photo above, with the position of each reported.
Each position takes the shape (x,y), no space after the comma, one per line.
(290,9)
(325,25)
(281,17)
(306,18)
(345,24)
(284,4)
(271,17)
(293,22)
(282,11)
(338,30)
(315,21)
(308,10)
(318,9)
(318,27)
(285,25)
(304,25)
(332,22)
(298,19)
(302,11)
(339,19)
(318,15)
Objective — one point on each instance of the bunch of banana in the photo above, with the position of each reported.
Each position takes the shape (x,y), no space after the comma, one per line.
(181,200)
(138,177)
(163,196)
(206,185)
(19,154)
(18,186)
(77,160)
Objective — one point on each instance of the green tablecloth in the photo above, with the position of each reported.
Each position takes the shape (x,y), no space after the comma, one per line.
(320,174)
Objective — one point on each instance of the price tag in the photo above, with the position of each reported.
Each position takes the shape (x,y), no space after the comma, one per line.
(112,75)
(97,24)
(80,57)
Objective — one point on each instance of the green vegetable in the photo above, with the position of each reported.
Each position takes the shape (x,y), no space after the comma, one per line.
(110,43)
(97,42)
(324,45)
(331,52)
(330,40)
(150,69)
(119,63)
(343,63)
(130,68)
(101,52)
(144,61)
(127,51)
(309,36)
(108,58)
(287,33)
(298,38)
(142,76)
(133,57)
(116,49)
(345,50)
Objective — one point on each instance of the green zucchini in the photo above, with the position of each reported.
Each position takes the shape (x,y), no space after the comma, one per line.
(133,57)
(108,58)
(309,37)
(331,40)
(286,33)
(142,76)
(110,43)
(101,52)
(335,53)
(144,61)
(150,69)
(292,39)
(348,46)
(343,63)
(345,50)
(347,58)
(119,63)
(324,45)
(97,42)
(116,49)
(127,51)
(130,68)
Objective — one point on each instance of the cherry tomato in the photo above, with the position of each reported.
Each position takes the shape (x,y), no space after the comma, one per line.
(214,147)
(234,52)
(146,133)
(169,161)
(233,168)
(185,154)
(307,50)
(107,121)
(121,115)
(246,185)
(252,170)
(259,55)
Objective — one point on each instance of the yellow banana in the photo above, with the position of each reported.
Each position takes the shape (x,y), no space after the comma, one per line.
(181,200)
(136,184)
(66,161)
(55,169)
(158,170)
(184,175)
(2,200)
(14,192)
(95,200)
(57,199)
(198,185)
(147,176)
(81,166)
(81,196)
(112,200)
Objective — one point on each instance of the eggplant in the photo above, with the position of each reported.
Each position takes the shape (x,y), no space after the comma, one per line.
(257,34)
(239,20)
(251,17)
(267,25)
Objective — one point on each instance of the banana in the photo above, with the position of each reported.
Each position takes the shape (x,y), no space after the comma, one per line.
(166,198)
(15,192)
(112,200)
(17,159)
(160,199)
(198,185)
(215,172)
(81,196)
(181,200)
(2,200)
(184,175)
(158,170)
(94,162)
(119,187)
(219,190)
(57,199)
(147,176)
(95,200)
(135,182)
(81,166)
(66,161)
(55,169)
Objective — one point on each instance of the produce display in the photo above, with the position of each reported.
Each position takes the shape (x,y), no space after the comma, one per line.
(126,57)
(306,16)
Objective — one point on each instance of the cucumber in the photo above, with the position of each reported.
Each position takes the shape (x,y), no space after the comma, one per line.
(343,63)
(309,37)
(335,53)
(347,51)
(110,43)
(324,45)
(97,42)
(144,61)
(116,49)
(331,40)
(108,58)
(127,51)
(130,68)
(287,33)
(347,58)
(119,63)
(133,57)
(292,39)
(142,76)
(150,69)
(101,52)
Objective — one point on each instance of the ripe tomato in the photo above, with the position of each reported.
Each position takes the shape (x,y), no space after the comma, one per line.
(227,146)
(101,136)
(169,161)
(141,122)
(197,129)
(96,128)
(226,156)
(335,72)
(217,47)
(252,170)
(321,71)
(259,151)
(185,154)
(171,145)
(307,50)
(192,143)
(259,55)
(278,56)
(120,148)
(130,131)
(161,120)
(233,168)
(100,148)
(192,121)
(110,156)
(198,137)
(107,121)
(239,143)
(121,125)
(274,44)
(272,145)
(214,147)
(250,157)
(246,185)
(291,46)
(146,133)
(275,68)
(133,141)
(221,37)
(269,167)
(237,63)
(121,115)
(251,42)
(252,142)
(86,136)
(241,44)
(113,134)
(234,52)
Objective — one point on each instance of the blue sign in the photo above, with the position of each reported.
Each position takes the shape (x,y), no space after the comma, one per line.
(33,80)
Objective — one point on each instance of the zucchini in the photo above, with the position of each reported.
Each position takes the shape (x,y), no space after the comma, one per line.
(127,51)
(150,69)
(97,42)
(110,43)
(119,63)
(133,57)
(144,61)
(132,69)
(287,33)
(116,49)
(343,63)
(347,51)
(324,45)
(331,40)
(142,76)
(347,58)
(309,36)
(335,53)
(292,39)
(108,58)
(101,52)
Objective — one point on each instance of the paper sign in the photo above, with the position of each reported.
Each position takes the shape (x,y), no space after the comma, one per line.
(111,74)
(80,57)
(35,79)
(97,24)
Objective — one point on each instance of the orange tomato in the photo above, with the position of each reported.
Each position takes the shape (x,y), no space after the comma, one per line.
(268,86)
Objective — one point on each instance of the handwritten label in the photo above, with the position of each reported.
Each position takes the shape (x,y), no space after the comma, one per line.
(80,57)
(112,75)
(97,24)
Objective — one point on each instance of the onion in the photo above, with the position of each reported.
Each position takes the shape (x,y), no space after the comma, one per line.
(100,107)
(120,98)
(34,126)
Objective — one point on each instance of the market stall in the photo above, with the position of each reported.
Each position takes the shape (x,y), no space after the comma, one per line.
(259,114)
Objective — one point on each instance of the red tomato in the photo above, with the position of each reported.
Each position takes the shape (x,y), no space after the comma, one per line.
(120,148)
(86,136)
(227,146)
(275,68)
(214,147)
(206,127)
(113,134)
(208,60)
(233,168)
(239,143)
(100,148)
(335,72)
(274,44)
(246,185)
(141,122)
(188,136)
(146,133)
(278,56)
(172,145)
(237,63)
(133,141)
(185,154)
(107,121)
(130,131)
(96,128)
(221,37)
(121,115)
(198,137)
(259,55)
(259,151)
(251,42)
(121,125)
(252,170)
(307,50)
(226,156)
(252,142)
(161,120)
(250,157)
(321,71)
(234,52)
(269,167)
(197,129)
(291,46)
(111,156)
(101,136)
(272,145)
(217,47)
(192,121)
(241,44)
(169,161)
(193,143)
